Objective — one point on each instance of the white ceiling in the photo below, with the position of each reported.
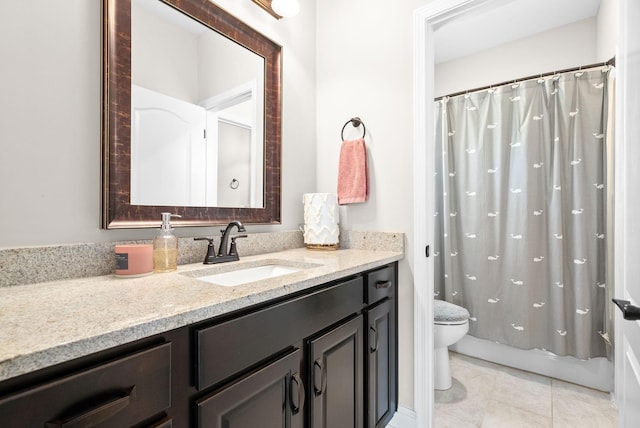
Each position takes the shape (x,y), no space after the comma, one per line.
(503,21)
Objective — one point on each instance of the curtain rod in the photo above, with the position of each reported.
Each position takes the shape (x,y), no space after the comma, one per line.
(611,62)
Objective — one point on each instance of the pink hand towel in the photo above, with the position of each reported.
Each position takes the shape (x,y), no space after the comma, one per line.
(353,175)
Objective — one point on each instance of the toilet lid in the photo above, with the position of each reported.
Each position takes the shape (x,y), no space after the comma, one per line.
(447,312)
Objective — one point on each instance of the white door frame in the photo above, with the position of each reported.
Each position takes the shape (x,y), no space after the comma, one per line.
(425,21)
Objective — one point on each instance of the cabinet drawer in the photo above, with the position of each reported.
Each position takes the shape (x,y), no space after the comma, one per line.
(228,348)
(118,393)
(381,283)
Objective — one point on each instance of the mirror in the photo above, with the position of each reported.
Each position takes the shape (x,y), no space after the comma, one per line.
(191,116)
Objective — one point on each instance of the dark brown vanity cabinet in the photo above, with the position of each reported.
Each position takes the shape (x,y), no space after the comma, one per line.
(321,332)
(344,335)
(323,357)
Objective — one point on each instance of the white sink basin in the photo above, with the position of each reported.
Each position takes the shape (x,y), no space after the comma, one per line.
(249,274)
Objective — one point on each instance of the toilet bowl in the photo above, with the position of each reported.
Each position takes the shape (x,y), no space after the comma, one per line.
(451,323)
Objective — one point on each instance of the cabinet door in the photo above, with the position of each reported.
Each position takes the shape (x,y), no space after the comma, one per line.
(271,397)
(335,370)
(381,364)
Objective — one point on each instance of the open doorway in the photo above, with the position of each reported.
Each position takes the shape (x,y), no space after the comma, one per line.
(426,21)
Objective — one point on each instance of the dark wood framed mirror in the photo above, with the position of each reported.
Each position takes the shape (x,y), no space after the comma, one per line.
(118,210)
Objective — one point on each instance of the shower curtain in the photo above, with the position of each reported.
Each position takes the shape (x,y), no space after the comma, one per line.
(521,213)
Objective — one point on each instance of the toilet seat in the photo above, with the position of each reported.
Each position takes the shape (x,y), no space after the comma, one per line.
(445,313)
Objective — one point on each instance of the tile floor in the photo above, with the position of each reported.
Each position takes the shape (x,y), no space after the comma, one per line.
(488,395)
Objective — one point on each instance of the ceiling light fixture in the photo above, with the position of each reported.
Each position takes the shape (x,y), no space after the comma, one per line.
(280,8)
(286,8)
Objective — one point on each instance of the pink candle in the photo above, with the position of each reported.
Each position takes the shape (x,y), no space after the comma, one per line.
(134,260)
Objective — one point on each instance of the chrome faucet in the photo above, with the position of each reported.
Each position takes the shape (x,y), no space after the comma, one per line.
(223,255)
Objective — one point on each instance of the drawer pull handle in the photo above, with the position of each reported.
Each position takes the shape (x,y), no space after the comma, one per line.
(374,343)
(97,414)
(383,284)
(317,364)
(296,406)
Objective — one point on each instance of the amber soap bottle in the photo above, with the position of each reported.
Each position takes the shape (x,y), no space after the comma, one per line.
(165,246)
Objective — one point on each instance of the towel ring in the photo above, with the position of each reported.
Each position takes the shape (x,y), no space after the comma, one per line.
(234,184)
(355,121)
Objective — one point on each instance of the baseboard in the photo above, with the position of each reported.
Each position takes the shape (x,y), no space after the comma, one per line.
(404,418)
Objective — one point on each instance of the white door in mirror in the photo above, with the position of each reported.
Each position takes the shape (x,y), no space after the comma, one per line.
(168,150)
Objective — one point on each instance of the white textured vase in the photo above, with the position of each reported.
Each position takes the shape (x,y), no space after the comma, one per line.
(321,220)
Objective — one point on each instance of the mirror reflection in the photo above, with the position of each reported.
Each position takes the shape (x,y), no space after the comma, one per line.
(197,99)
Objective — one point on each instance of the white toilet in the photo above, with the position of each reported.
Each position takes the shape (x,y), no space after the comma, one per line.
(451,324)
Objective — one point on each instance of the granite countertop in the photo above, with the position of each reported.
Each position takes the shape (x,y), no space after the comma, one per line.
(53,322)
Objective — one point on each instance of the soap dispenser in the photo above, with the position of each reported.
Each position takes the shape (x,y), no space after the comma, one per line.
(165,246)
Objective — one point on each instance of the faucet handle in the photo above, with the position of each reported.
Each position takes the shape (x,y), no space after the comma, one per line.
(233,251)
(211,250)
